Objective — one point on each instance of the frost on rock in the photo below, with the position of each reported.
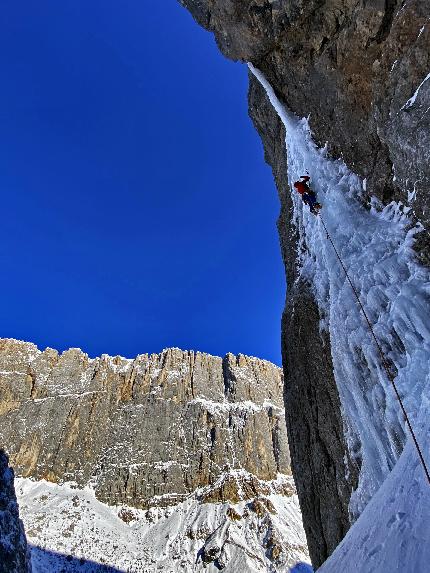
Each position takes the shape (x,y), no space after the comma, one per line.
(411,101)
(376,246)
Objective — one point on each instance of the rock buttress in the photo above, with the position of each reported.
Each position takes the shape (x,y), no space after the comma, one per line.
(353,67)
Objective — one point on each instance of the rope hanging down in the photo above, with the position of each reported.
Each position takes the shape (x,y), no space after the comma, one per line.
(383,359)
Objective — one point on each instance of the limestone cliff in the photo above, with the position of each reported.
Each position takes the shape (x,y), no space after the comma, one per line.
(359,71)
(189,449)
(146,432)
(13,544)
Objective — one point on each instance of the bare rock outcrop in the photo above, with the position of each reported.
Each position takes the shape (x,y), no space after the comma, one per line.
(14,557)
(146,432)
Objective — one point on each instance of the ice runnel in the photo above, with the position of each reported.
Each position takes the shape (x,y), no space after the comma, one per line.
(376,246)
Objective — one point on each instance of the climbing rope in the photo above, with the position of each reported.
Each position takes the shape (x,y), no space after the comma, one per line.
(383,359)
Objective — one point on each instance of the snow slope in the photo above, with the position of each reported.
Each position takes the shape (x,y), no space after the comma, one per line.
(61,521)
(376,246)
(393,533)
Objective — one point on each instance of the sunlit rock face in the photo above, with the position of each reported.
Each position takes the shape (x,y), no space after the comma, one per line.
(359,72)
(147,431)
(13,544)
(171,460)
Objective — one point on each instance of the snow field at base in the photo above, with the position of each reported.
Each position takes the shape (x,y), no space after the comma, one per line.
(392,535)
(376,246)
(71,521)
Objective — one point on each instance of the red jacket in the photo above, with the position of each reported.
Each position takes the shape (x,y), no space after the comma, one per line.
(301,186)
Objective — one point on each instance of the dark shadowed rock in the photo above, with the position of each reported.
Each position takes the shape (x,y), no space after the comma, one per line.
(351,66)
(14,557)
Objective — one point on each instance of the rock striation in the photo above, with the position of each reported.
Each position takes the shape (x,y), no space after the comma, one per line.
(359,71)
(146,432)
(14,556)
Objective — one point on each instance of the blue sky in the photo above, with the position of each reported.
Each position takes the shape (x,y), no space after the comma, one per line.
(137,210)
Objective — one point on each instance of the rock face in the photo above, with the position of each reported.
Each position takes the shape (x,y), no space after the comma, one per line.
(352,66)
(144,432)
(188,450)
(13,544)
(358,70)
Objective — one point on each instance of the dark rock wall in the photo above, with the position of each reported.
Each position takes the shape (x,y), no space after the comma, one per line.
(14,555)
(326,476)
(351,66)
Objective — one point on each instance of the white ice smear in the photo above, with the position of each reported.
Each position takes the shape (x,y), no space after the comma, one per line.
(376,247)
(393,533)
(412,100)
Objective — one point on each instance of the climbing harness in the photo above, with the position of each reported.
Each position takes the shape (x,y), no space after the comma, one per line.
(383,359)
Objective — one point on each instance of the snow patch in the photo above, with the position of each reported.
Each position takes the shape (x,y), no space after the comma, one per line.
(218,408)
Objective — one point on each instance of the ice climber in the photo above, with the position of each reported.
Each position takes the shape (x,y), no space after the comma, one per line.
(308,196)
